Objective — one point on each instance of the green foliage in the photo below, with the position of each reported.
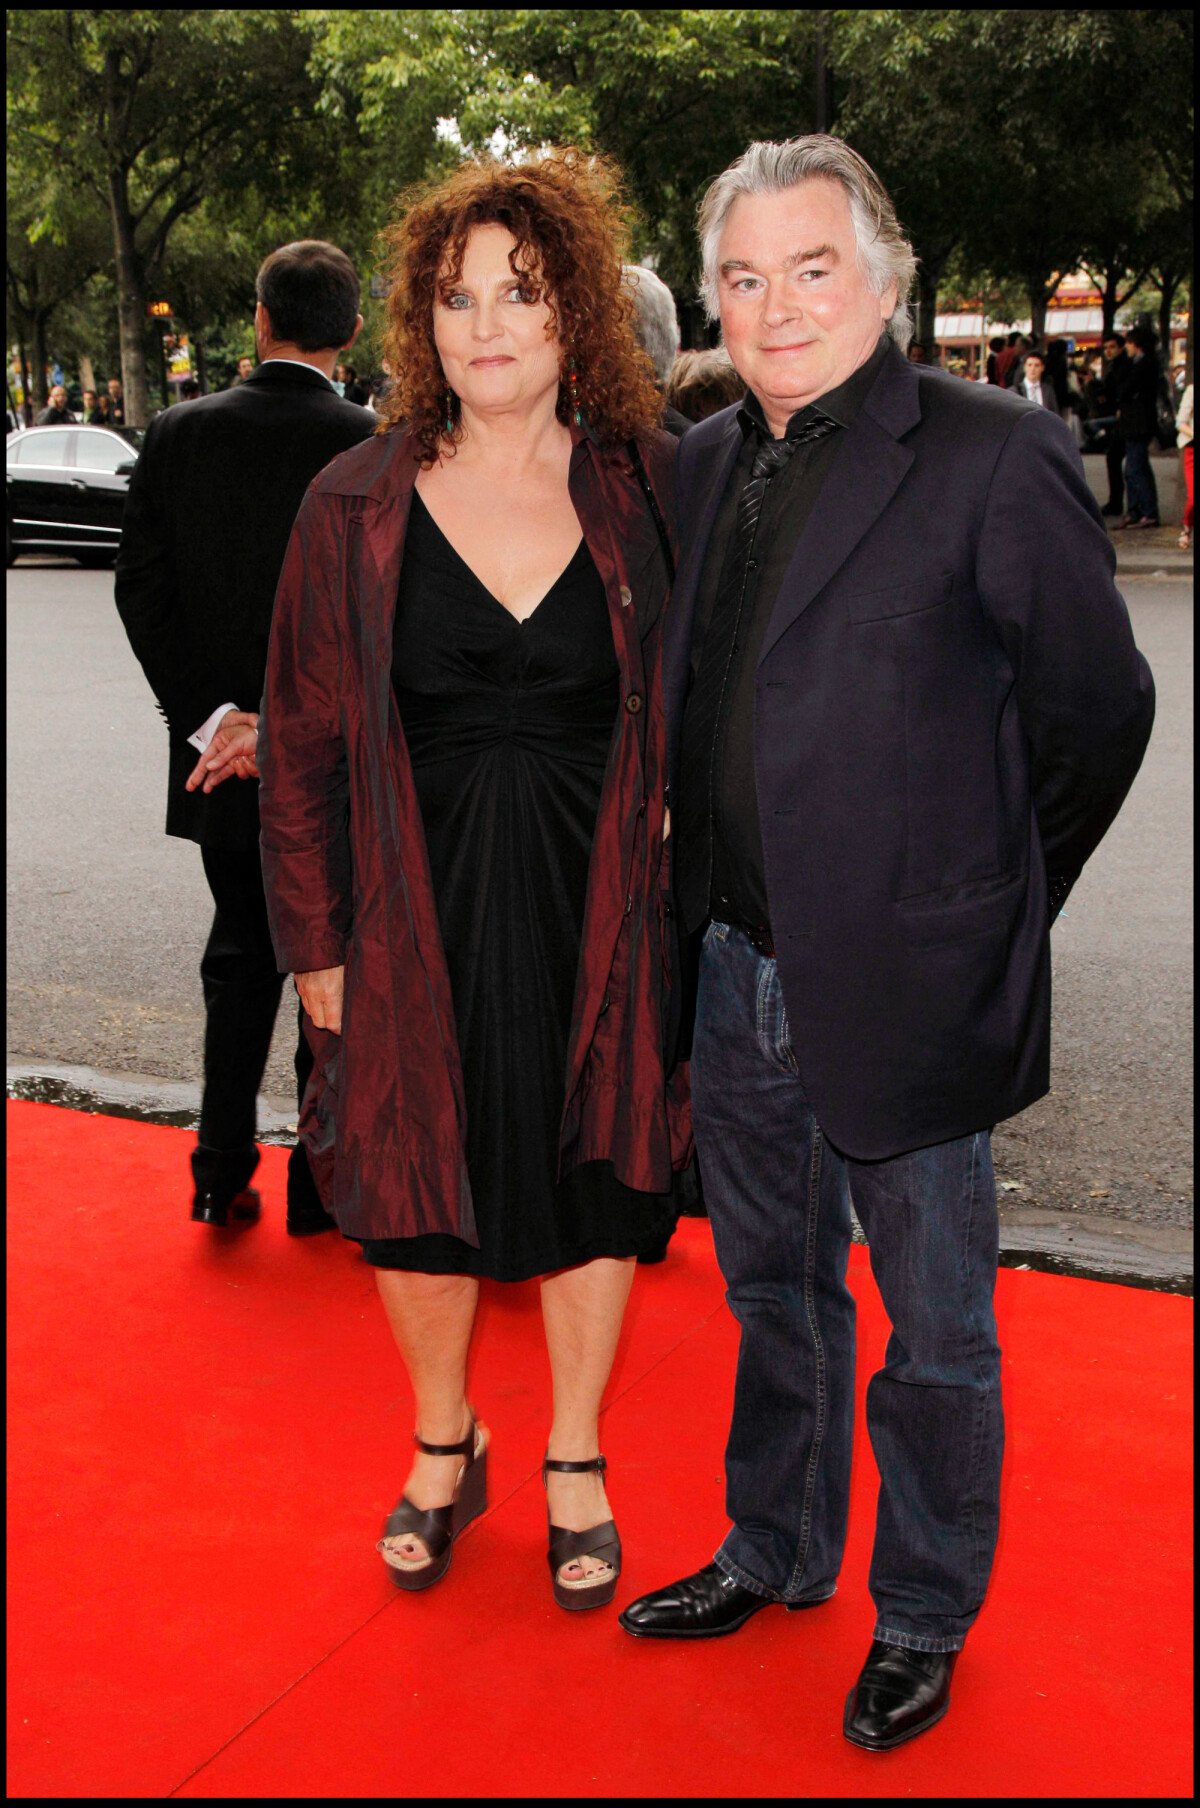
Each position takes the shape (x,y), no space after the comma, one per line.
(1016,143)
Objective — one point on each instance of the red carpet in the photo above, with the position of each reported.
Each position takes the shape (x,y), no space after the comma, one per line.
(207,1431)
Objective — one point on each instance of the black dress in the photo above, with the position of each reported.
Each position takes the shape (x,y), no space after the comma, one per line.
(509,726)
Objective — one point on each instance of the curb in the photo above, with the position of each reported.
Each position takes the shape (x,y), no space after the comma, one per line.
(1118,1253)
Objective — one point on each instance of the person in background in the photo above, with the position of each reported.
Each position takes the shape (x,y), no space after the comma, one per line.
(656,323)
(189,390)
(346,382)
(996,350)
(55,413)
(1116,367)
(702,383)
(1183,433)
(245,368)
(1137,417)
(917,353)
(87,409)
(1033,386)
(116,402)
(1005,356)
(210,508)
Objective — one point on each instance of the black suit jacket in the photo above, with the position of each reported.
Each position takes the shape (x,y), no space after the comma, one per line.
(948,702)
(207,522)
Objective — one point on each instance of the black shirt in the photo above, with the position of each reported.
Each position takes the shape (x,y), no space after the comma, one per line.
(720,873)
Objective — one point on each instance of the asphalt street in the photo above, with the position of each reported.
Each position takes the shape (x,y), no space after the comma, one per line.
(108,917)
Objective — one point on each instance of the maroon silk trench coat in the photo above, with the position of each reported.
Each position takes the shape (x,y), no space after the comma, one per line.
(347,872)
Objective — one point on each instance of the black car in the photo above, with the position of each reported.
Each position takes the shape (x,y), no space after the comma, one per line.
(66,490)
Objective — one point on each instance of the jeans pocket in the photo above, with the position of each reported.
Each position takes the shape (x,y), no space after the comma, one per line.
(771,1019)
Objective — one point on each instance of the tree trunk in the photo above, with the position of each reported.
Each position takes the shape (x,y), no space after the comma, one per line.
(131,304)
(41,357)
(928,277)
(1038,302)
(1169,286)
(1112,283)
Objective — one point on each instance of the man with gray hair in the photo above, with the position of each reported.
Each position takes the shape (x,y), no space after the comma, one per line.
(656,324)
(904,705)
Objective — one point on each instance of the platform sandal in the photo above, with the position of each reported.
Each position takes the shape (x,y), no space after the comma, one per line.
(601,1541)
(438,1527)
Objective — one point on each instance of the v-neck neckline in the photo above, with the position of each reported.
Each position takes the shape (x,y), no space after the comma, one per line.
(519,621)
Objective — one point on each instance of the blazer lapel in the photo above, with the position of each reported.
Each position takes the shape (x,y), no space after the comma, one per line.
(868,470)
(695,531)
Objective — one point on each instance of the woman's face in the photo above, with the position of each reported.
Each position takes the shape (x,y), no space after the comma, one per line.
(492,331)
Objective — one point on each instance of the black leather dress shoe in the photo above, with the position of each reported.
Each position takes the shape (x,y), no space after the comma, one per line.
(705,1605)
(307,1220)
(899,1694)
(220,1209)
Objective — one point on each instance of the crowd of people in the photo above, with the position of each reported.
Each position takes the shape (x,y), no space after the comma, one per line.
(634,744)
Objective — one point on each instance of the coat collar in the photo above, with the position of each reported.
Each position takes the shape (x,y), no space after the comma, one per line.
(868,468)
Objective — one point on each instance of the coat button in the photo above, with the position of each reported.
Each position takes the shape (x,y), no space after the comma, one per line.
(626,596)
(633,703)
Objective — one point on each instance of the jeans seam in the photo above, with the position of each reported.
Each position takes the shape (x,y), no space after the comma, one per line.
(984,1390)
(810,1257)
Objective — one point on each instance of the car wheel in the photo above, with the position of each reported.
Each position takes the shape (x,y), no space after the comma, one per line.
(96,561)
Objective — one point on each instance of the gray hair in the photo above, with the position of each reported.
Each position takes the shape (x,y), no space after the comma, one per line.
(655,320)
(884,254)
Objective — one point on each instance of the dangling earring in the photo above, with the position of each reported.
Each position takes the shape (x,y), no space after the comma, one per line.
(573,392)
(449,412)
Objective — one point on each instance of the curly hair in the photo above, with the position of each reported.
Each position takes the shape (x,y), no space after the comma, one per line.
(566,213)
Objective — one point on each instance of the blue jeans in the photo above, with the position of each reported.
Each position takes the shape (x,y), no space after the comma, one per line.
(1139,480)
(778,1197)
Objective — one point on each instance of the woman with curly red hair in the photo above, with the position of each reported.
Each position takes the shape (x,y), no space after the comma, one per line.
(462,757)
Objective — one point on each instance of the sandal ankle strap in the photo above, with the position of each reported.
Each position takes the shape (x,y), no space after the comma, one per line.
(464,1448)
(594,1465)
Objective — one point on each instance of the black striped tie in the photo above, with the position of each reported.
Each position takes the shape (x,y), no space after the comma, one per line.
(720,645)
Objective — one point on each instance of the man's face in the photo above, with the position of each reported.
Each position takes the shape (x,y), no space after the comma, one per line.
(1033,368)
(1111,348)
(58,396)
(89,398)
(114,388)
(245,366)
(797,315)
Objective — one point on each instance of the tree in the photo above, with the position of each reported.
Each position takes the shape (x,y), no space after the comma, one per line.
(46,266)
(150,112)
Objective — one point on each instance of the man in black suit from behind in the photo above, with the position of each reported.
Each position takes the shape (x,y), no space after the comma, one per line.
(904,704)
(208,518)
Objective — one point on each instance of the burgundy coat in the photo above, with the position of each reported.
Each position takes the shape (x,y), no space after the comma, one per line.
(347,871)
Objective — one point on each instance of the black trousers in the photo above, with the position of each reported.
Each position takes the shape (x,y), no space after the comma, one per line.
(242,989)
(1114,459)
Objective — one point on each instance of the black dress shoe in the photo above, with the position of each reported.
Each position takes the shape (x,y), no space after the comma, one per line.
(221,1209)
(899,1694)
(705,1605)
(308,1219)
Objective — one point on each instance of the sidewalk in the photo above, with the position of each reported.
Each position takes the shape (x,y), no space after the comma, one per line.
(1154,551)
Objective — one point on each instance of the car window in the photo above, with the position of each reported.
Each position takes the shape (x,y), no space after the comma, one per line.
(99,452)
(43,449)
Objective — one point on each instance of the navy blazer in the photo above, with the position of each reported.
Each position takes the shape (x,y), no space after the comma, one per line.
(949,703)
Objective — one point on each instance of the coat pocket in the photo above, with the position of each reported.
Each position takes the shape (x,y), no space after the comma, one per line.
(900,599)
(982,909)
